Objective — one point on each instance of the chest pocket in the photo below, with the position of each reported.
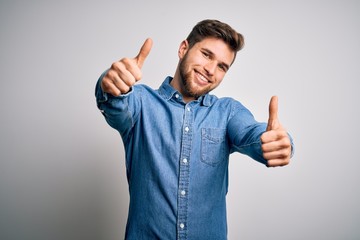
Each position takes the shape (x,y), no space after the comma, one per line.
(214,149)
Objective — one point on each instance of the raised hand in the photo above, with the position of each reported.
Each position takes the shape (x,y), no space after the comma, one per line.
(125,73)
(276,145)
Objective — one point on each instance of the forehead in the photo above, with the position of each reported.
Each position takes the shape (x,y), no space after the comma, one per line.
(217,47)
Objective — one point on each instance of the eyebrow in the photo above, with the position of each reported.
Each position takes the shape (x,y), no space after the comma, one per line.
(227,66)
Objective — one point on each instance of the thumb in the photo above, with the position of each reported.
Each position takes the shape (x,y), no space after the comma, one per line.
(273,122)
(144,52)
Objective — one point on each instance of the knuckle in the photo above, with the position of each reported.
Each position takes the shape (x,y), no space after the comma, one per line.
(263,137)
(282,133)
(125,89)
(285,162)
(115,65)
(263,148)
(267,156)
(116,92)
(131,82)
(126,61)
(284,153)
(111,75)
(105,83)
(285,142)
(137,76)
(270,164)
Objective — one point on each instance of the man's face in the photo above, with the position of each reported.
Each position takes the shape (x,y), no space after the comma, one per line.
(203,67)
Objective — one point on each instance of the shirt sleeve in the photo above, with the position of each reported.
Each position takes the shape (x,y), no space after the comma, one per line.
(244,133)
(120,112)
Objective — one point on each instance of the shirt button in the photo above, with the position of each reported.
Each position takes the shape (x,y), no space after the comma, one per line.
(188,109)
(182,225)
(183,192)
(187,129)
(177,95)
(185,160)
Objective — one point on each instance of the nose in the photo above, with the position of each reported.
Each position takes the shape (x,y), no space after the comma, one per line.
(210,67)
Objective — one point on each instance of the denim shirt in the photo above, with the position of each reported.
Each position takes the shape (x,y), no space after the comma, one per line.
(177,157)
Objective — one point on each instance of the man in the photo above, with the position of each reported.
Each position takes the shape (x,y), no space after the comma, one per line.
(178,138)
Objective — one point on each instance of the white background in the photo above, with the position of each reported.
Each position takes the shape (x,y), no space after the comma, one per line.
(62,173)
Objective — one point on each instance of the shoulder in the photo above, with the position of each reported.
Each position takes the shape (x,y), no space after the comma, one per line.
(145,93)
(230,107)
(141,89)
(225,102)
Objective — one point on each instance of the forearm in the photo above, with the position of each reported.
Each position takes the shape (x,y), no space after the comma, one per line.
(248,142)
(116,110)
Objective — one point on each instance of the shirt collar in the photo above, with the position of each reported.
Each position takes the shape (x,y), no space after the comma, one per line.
(167,92)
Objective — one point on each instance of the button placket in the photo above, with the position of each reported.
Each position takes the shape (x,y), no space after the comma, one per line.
(183,185)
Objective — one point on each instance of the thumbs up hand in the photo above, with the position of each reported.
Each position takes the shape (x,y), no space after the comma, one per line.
(276,145)
(125,73)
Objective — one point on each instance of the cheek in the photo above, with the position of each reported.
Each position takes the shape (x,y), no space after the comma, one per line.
(219,77)
(198,60)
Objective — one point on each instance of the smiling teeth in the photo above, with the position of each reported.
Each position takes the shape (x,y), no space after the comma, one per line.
(202,78)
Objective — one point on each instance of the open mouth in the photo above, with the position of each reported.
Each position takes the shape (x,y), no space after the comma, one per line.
(202,80)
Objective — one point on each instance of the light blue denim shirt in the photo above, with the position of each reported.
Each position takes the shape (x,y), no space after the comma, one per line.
(177,157)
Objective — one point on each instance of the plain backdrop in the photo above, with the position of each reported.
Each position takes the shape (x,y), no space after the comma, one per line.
(62,172)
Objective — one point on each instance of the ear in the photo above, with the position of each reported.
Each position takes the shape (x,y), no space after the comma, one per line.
(183,48)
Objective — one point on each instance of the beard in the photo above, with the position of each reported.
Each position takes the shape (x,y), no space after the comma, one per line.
(186,77)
